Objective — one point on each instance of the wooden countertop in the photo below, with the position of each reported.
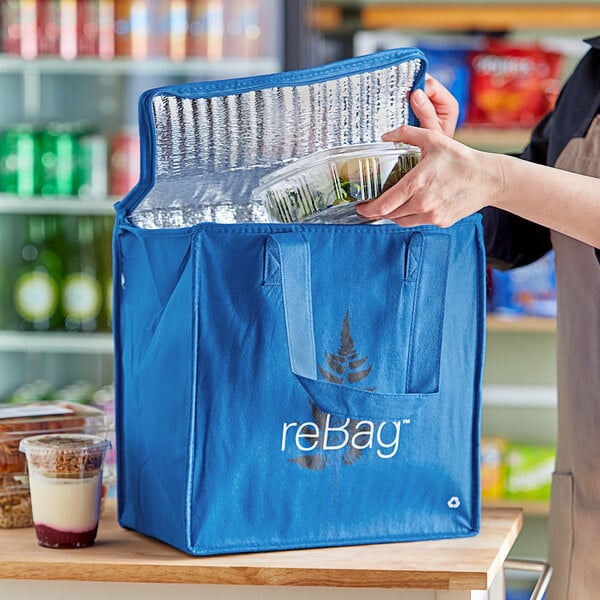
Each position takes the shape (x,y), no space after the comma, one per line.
(124,556)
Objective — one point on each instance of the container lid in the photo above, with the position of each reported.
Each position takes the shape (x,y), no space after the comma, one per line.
(65,443)
(331,155)
(31,418)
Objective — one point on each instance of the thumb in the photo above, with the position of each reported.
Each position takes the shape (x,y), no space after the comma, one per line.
(424,110)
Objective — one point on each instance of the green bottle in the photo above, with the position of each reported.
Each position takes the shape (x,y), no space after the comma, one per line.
(104,228)
(38,279)
(81,293)
(12,232)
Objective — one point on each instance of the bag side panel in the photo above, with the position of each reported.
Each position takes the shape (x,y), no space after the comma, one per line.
(153,366)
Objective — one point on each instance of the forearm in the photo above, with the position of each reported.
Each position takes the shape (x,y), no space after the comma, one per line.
(565,202)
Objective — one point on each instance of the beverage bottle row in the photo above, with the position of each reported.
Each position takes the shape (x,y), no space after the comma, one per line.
(176,29)
(67,159)
(58,277)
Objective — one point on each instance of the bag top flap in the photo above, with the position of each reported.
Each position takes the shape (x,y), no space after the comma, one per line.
(205,146)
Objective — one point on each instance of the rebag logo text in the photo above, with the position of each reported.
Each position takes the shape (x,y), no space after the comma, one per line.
(358,435)
(326,440)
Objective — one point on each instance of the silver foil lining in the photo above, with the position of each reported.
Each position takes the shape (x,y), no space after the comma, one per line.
(212,152)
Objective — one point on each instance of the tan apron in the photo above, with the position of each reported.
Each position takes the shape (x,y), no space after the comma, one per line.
(574,529)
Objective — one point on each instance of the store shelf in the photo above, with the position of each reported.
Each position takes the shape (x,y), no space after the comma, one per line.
(13,204)
(491,139)
(528,396)
(57,342)
(454,16)
(530,508)
(198,68)
(519,324)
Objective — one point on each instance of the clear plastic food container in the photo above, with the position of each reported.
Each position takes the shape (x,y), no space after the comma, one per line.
(18,421)
(324,187)
(15,502)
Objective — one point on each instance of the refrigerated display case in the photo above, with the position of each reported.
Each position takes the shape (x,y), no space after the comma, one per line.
(71,72)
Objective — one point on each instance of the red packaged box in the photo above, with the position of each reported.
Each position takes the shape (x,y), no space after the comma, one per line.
(512,85)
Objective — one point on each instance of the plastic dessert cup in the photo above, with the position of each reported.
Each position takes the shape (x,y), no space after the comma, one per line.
(65,481)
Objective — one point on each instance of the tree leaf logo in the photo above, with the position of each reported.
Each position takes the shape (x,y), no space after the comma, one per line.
(344,367)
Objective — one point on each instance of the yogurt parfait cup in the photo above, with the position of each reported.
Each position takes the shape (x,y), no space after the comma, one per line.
(65,482)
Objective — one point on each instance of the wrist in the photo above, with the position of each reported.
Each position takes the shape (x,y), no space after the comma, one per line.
(495,173)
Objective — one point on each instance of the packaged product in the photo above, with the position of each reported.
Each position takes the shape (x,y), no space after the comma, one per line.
(528,290)
(448,62)
(512,85)
(529,471)
(15,502)
(492,467)
(18,421)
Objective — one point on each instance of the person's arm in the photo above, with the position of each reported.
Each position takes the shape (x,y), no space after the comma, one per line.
(510,240)
(453,181)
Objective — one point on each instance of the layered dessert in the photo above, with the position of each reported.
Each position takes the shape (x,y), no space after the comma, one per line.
(65,480)
(65,511)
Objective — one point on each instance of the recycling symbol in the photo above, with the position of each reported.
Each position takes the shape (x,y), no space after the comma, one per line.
(454,502)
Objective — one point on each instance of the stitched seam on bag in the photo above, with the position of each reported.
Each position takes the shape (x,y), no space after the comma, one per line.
(163,233)
(195,341)
(302,543)
(268,228)
(321,74)
(412,319)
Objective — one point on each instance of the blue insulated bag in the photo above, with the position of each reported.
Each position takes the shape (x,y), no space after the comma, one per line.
(289,385)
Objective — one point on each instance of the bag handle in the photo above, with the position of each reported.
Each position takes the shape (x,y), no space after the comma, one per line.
(336,399)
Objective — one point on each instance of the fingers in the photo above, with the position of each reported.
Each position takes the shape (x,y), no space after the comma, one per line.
(415,136)
(435,107)
(390,201)
(406,214)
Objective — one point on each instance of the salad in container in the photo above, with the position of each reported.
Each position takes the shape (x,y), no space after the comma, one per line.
(325,186)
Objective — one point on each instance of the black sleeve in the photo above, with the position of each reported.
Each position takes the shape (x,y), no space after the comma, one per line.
(510,240)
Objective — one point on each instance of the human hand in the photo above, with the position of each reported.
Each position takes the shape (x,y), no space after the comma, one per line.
(450,182)
(436,108)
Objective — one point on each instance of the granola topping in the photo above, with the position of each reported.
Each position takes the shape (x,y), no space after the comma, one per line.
(62,455)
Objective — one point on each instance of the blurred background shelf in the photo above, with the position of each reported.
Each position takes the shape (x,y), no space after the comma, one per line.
(447,16)
(508,140)
(519,324)
(519,396)
(198,68)
(530,508)
(56,342)
(63,205)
